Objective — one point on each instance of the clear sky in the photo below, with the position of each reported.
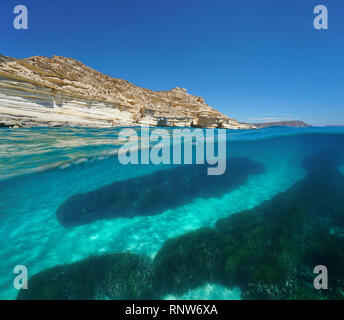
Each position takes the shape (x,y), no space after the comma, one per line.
(253,60)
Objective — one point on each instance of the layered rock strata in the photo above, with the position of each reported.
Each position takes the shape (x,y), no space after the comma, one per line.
(59,91)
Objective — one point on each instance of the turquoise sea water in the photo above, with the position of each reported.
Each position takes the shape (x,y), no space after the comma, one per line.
(41,168)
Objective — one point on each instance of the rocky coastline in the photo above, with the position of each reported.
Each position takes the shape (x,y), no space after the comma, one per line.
(59,91)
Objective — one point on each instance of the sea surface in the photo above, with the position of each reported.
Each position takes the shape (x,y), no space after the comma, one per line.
(41,168)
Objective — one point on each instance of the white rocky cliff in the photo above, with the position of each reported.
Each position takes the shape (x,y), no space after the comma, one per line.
(59,91)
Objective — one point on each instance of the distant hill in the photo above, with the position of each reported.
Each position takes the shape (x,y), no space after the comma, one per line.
(294,123)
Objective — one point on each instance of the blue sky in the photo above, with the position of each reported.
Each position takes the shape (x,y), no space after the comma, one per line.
(254,60)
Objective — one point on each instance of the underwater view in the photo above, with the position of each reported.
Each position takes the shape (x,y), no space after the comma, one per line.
(88,227)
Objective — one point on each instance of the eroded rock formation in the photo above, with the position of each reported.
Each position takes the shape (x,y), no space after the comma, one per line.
(57,91)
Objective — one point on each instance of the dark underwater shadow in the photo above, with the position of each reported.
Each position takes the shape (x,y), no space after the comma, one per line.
(269,251)
(153,193)
(119,276)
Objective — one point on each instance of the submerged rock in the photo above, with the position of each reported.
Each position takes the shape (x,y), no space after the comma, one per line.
(187,262)
(114,276)
(269,251)
(125,276)
(152,194)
